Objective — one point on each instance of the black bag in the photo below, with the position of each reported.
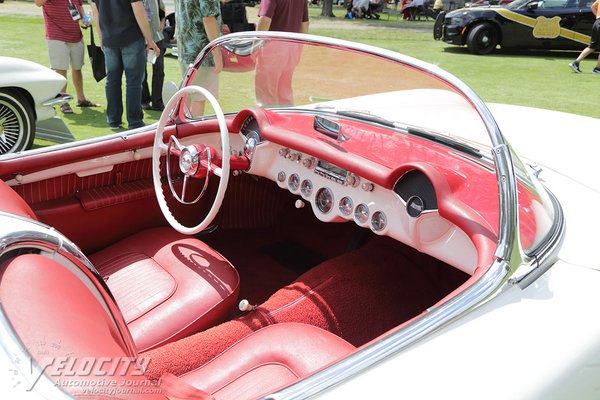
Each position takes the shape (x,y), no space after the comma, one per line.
(96,58)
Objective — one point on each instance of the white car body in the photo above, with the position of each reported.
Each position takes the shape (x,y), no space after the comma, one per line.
(41,83)
(28,94)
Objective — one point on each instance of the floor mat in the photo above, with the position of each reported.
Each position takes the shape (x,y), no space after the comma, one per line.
(293,255)
(357,296)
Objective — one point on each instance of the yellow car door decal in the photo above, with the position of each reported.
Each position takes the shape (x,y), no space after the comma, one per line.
(546,28)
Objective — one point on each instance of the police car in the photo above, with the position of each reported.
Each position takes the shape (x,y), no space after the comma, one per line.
(527,24)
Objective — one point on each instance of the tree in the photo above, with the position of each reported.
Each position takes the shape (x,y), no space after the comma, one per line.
(327,10)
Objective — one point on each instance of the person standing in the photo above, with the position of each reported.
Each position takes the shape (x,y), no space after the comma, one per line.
(65,44)
(594,43)
(156,13)
(125,35)
(276,62)
(198,23)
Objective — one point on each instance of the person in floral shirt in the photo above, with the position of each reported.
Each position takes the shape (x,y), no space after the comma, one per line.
(198,22)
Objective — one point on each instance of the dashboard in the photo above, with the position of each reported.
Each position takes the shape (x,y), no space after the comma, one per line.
(408,211)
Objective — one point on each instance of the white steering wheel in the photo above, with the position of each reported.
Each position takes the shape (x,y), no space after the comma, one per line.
(195,161)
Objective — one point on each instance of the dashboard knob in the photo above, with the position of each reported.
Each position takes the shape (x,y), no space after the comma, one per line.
(295,157)
(299,204)
(352,180)
(309,162)
(367,187)
(281,176)
(283,152)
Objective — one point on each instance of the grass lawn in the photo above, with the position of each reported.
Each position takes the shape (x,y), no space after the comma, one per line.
(532,79)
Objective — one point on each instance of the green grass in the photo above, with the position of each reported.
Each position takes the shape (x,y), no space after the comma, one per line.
(533,79)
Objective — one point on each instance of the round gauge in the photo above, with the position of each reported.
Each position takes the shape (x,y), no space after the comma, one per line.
(378,221)
(415,206)
(346,205)
(294,182)
(324,200)
(306,188)
(361,213)
(281,176)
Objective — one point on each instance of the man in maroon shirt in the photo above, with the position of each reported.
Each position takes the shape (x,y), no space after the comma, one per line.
(277,61)
(65,43)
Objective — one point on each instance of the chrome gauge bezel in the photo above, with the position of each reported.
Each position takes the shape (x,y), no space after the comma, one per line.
(306,188)
(361,213)
(378,221)
(346,205)
(324,200)
(294,182)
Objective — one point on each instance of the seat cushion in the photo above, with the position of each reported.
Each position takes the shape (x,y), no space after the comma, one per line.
(267,359)
(167,285)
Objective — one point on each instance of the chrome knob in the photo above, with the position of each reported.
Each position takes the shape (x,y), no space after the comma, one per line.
(295,157)
(309,162)
(281,176)
(284,152)
(367,187)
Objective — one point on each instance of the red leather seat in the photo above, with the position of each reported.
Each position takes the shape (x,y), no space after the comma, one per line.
(167,285)
(268,359)
(56,315)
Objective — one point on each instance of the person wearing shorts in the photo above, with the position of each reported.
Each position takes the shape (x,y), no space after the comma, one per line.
(594,43)
(65,44)
(277,61)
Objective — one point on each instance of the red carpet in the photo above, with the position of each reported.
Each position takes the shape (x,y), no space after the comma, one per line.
(358,296)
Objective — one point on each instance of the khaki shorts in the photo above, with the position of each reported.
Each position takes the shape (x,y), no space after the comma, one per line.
(206,78)
(63,53)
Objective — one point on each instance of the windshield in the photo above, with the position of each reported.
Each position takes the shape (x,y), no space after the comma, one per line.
(517,4)
(286,74)
(282,72)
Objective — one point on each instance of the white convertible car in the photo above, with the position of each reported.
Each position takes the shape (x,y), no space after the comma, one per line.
(343,222)
(28,94)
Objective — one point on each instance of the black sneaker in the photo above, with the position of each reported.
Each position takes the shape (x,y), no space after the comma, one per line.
(146,106)
(575,67)
(157,106)
(596,70)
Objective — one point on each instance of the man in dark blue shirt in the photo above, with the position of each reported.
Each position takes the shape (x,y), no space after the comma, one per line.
(125,35)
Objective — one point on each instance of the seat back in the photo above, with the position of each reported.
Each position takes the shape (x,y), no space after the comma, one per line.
(66,328)
(12,203)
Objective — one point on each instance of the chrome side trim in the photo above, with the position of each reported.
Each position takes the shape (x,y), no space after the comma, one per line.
(58,100)
(547,254)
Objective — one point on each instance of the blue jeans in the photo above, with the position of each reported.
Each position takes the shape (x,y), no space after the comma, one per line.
(132,60)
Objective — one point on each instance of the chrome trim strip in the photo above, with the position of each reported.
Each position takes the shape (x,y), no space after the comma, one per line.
(60,99)
(547,253)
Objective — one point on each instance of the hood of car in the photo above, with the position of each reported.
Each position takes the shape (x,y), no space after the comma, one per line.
(556,141)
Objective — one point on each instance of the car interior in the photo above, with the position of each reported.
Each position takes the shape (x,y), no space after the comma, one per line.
(321,246)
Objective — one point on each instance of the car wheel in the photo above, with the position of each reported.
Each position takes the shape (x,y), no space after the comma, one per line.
(482,39)
(17,122)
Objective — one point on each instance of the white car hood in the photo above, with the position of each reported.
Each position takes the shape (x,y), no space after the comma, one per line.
(563,142)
